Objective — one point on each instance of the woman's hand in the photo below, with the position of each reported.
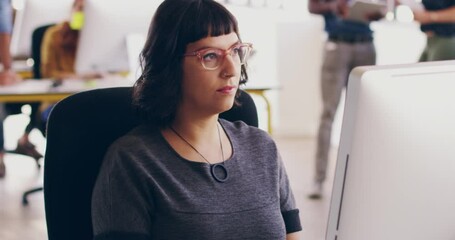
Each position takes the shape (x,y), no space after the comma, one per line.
(340,8)
(375,16)
(9,77)
(92,76)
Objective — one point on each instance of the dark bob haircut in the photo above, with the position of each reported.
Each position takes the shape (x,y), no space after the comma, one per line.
(175,24)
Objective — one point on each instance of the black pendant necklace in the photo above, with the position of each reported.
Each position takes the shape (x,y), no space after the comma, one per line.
(218,170)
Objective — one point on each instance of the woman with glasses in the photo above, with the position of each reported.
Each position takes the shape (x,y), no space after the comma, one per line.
(185,173)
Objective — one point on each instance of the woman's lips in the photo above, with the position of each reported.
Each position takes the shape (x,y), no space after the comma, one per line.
(227,89)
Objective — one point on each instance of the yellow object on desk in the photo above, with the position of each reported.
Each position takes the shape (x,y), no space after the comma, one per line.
(25,74)
(90,83)
(24,68)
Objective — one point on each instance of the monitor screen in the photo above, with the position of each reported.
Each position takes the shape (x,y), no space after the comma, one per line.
(103,39)
(34,14)
(395,170)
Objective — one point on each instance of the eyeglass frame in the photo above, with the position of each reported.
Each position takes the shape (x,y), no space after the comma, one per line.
(198,53)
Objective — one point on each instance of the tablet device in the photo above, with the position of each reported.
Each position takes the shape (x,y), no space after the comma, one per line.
(359,10)
(394,177)
(413,4)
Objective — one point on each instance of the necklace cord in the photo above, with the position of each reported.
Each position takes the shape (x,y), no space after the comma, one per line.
(221,143)
(200,154)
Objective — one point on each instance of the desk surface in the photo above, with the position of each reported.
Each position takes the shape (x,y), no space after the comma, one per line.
(48,90)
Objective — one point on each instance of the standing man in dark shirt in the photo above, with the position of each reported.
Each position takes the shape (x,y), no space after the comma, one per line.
(349,44)
(438,23)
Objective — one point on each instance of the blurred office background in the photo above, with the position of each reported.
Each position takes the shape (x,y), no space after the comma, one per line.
(288,43)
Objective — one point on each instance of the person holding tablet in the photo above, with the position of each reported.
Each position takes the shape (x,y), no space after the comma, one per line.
(437,21)
(349,44)
(7,75)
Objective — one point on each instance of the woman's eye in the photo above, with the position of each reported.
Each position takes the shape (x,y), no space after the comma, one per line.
(210,56)
(236,51)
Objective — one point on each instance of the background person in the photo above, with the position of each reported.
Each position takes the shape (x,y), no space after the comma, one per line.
(58,50)
(58,56)
(185,173)
(7,75)
(349,45)
(438,23)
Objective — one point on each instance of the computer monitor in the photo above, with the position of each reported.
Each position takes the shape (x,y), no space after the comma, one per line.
(36,13)
(395,172)
(103,40)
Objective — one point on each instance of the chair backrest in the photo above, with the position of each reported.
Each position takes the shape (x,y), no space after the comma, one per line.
(37,40)
(80,129)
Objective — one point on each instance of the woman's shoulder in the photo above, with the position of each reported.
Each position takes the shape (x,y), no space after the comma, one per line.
(135,148)
(244,132)
(254,146)
(53,34)
(52,30)
(138,138)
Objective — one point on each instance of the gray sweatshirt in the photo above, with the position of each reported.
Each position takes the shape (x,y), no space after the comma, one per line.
(146,190)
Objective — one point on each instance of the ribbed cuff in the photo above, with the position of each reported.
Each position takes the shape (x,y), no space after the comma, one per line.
(292,221)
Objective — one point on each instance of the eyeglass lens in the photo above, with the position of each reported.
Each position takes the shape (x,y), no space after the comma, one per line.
(212,58)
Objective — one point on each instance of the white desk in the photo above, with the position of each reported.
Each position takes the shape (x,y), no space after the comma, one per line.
(22,67)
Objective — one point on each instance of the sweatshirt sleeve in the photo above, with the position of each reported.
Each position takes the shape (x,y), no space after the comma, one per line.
(289,210)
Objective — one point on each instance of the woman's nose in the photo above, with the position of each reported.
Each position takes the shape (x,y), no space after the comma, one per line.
(230,66)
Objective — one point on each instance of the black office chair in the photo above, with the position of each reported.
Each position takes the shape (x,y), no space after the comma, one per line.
(80,129)
(37,40)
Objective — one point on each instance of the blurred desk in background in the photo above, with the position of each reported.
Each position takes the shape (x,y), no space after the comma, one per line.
(23,68)
(41,90)
(46,90)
